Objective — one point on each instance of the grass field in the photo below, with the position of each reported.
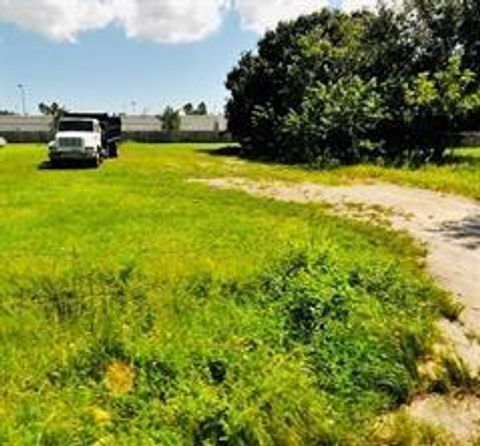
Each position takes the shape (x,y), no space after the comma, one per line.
(139,308)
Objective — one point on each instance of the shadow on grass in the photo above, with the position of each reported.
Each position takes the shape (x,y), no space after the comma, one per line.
(246,155)
(451,158)
(47,165)
(224,151)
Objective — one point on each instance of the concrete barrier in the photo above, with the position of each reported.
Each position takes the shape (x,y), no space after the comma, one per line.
(30,129)
(139,136)
(26,137)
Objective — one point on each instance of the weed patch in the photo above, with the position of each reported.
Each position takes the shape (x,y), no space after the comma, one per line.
(303,351)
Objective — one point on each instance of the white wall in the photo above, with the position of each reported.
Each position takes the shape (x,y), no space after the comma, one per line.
(207,123)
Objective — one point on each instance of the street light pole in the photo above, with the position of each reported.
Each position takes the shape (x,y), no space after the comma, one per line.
(21,87)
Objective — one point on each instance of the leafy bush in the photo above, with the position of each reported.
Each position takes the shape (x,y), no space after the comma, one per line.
(336,124)
(334,88)
(266,87)
(436,101)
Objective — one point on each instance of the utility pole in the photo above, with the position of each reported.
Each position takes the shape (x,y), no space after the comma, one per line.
(23,99)
(134,107)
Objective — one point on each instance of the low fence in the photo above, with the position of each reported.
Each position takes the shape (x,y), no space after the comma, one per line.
(26,137)
(181,136)
(471,139)
(138,136)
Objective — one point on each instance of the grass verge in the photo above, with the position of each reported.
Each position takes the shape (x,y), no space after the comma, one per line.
(136,307)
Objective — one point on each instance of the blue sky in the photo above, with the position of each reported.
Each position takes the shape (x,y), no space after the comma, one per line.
(110,66)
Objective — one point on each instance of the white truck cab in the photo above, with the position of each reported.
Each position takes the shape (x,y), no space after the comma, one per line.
(77,139)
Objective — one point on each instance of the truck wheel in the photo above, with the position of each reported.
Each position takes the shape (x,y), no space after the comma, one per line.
(95,163)
(113,151)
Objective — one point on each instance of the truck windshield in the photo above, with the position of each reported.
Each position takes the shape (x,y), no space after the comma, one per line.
(75,126)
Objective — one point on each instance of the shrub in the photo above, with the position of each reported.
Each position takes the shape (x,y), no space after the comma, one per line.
(334,88)
(336,124)
(436,101)
(267,86)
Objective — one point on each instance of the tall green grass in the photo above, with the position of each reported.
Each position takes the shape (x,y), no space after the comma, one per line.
(139,308)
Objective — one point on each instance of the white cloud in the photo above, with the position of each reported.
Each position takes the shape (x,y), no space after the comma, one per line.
(353,5)
(259,15)
(170,20)
(156,20)
(162,21)
(58,19)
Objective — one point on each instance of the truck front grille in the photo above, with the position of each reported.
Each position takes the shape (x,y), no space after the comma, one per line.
(70,142)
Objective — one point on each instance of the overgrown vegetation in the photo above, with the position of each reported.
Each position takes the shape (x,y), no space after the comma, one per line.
(163,312)
(385,86)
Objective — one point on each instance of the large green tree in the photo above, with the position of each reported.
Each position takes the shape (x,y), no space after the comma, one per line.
(201,109)
(330,75)
(266,86)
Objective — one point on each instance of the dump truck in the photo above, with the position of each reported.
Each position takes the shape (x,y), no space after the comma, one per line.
(86,137)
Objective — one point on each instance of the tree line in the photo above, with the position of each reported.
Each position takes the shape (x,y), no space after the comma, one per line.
(337,88)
